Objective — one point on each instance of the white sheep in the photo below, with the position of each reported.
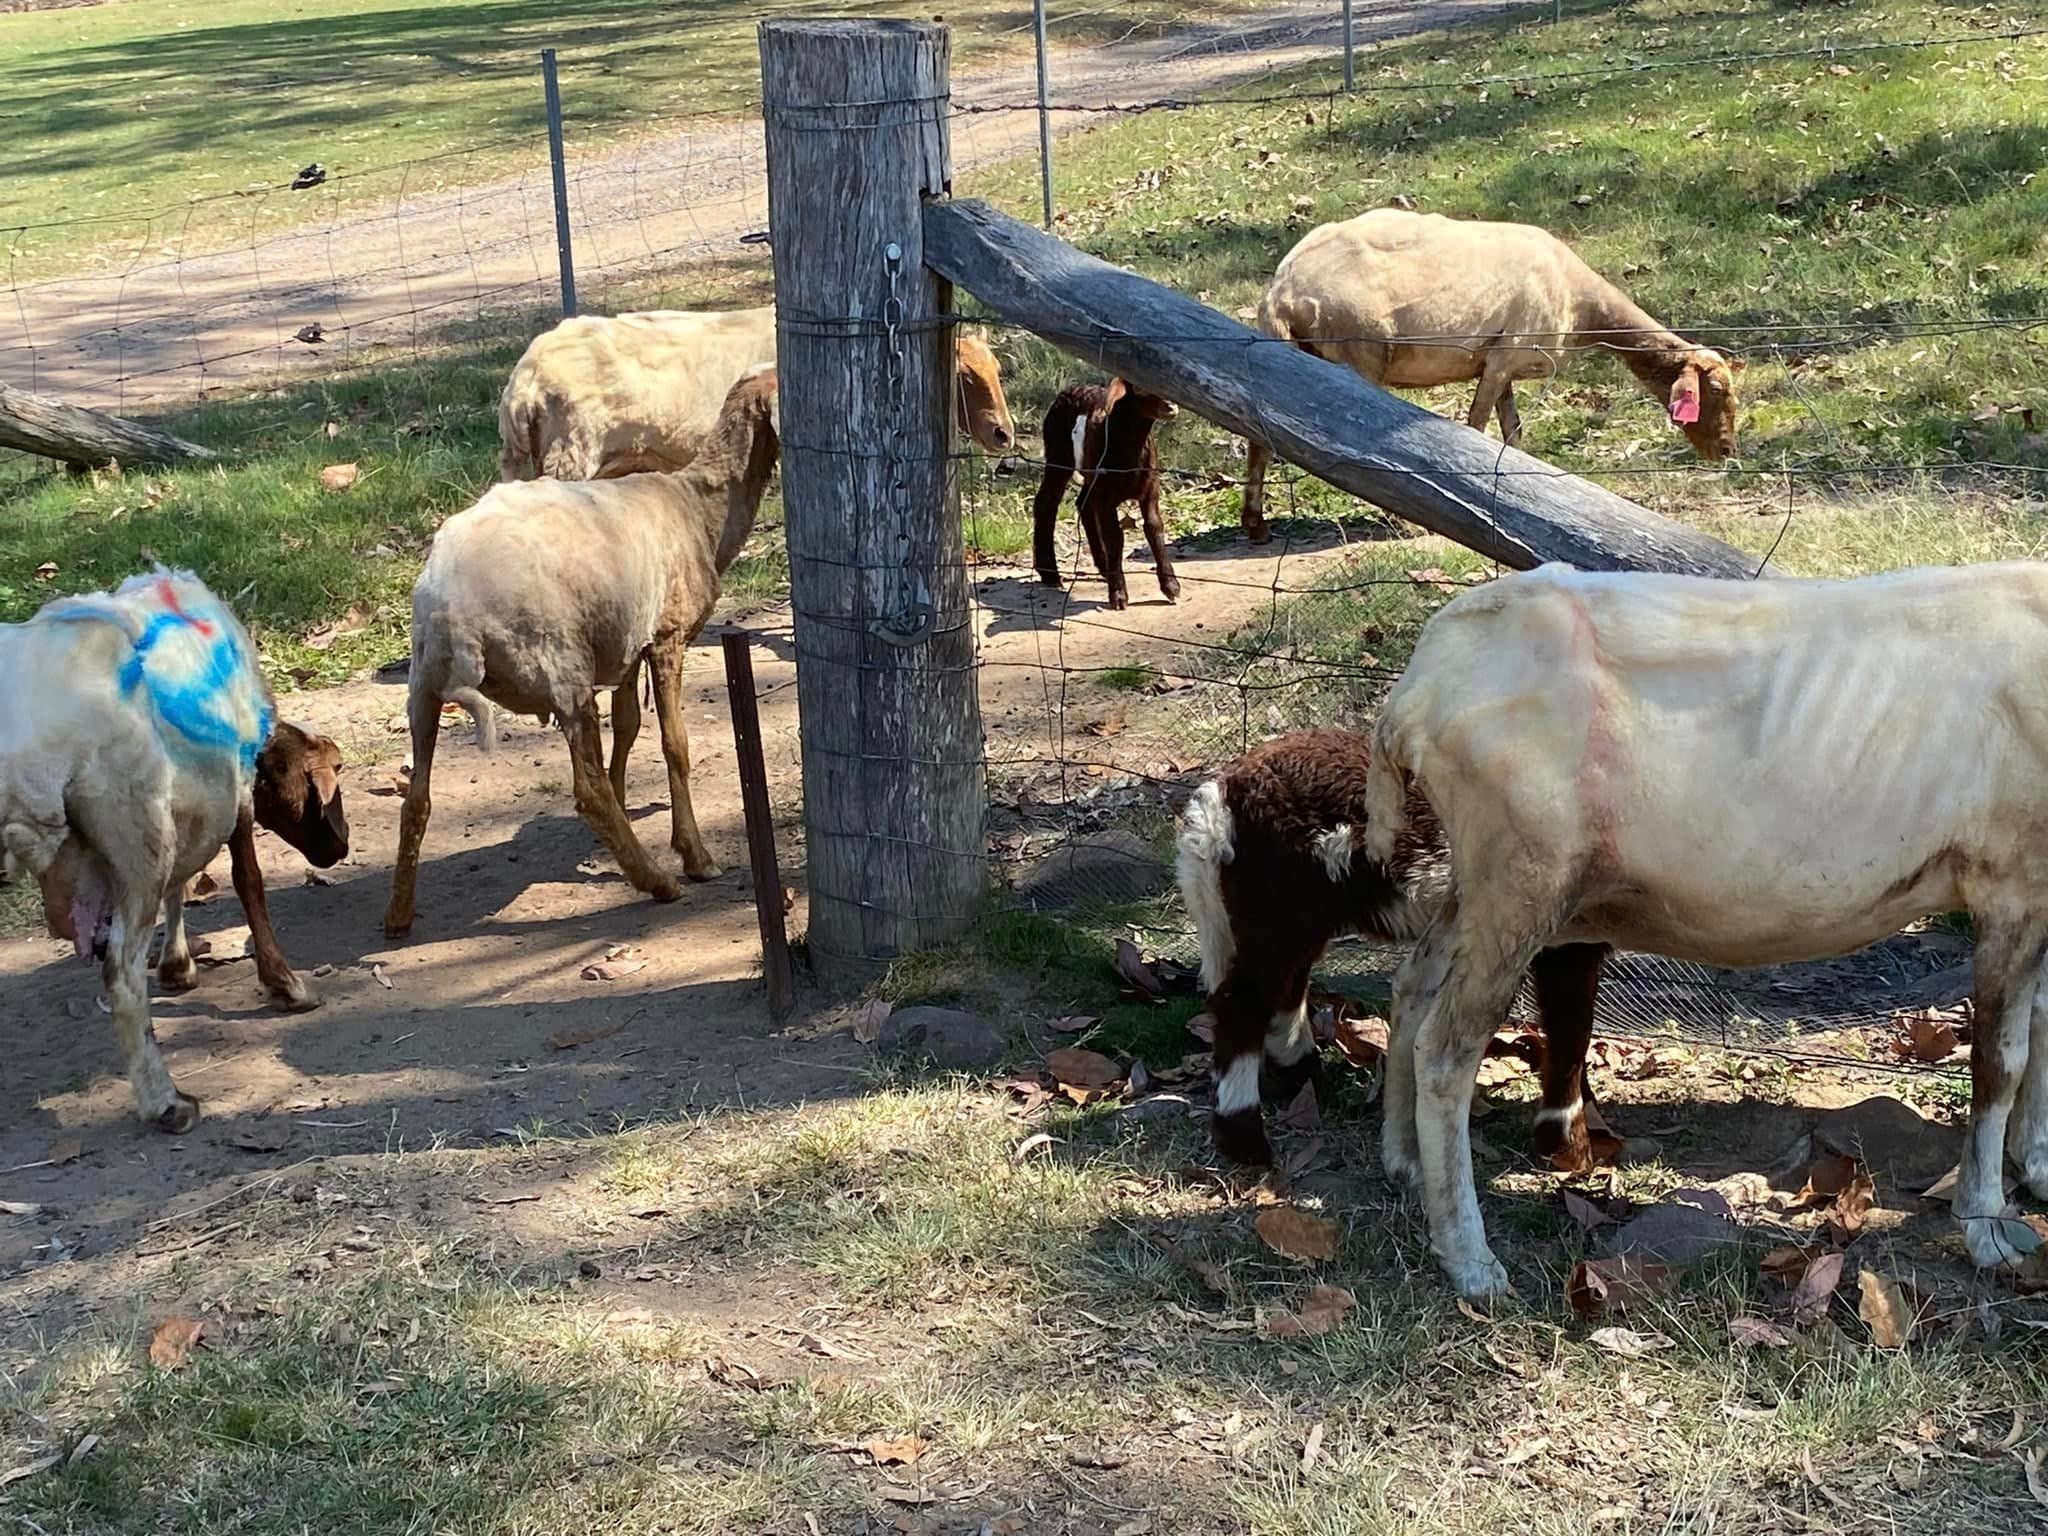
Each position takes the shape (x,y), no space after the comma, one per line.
(1733,773)
(138,738)
(601,396)
(545,591)
(1412,300)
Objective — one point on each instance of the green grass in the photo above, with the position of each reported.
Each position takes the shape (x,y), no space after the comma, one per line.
(149,120)
(885,1266)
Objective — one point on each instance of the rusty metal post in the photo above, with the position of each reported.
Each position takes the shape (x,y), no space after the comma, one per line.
(746,742)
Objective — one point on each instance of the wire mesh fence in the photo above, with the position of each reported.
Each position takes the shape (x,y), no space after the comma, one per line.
(1097,722)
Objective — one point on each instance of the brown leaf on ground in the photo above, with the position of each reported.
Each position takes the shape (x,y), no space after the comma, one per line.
(1363,1040)
(322,636)
(1816,1288)
(1614,1285)
(1926,1037)
(900,1452)
(1759,1333)
(2037,1474)
(569,1039)
(1303,1114)
(1825,1180)
(867,1020)
(1312,1447)
(1852,1206)
(1203,1027)
(171,1345)
(1630,1344)
(1584,1212)
(1073,1023)
(1325,1308)
(1131,966)
(1076,1067)
(338,477)
(612,970)
(1108,725)
(1296,1234)
(1787,1263)
(1884,1310)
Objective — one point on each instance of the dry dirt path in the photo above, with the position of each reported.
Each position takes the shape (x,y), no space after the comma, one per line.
(172,326)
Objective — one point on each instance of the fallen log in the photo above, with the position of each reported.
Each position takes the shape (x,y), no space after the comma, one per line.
(75,435)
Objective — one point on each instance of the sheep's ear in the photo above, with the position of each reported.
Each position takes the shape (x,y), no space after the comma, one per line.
(775,413)
(1685,395)
(1117,390)
(1736,365)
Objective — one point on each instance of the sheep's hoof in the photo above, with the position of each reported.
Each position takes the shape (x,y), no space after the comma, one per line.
(665,888)
(1119,601)
(178,976)
(1258,533)
(1170,587)
(1049,579)
(182,1115)
(708,869)
(295,994)
(1996,1242)
(397,924)
(1241,1139)
(1478,1279)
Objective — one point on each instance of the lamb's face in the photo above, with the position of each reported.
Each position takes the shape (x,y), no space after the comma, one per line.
(1703,403)
(298,794)
(984,410)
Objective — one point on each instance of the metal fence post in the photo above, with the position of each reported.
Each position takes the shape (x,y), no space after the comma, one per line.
(554,92)
(1347,45)
(1045,111)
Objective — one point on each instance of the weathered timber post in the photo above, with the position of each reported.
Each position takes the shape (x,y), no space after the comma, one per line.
(1440,473)
(894,793)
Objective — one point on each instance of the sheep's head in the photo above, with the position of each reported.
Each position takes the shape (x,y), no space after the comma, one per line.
(298,793)
(984,410)
(1702,401)
(1148,406)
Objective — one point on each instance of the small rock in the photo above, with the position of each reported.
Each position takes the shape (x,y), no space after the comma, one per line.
(1101,868)
(949,1036)
(589,1270)
(1892,1139)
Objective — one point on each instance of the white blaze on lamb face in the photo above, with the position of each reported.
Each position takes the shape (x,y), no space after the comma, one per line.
(1721,714)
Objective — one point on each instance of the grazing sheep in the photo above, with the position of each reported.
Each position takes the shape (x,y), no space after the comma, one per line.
(139,739)
(1410,300)
(544,592)
(1271,870)
(1733,773)
(598,396)
(1103,433)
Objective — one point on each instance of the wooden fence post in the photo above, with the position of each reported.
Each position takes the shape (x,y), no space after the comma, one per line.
(894,786)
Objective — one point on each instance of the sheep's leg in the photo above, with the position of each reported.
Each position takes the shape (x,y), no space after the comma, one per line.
(1567,981)
(1485,399)
(272,968)
(423,713)
(125,973)
(1257,459)
(596,804)
(175,969)
(2026,1138)
(1045,514)
(1416,984)
(1510,418)
(666,658)
(1109,541)
(2007,964)
(1243,1009)
(625,725)
(1155,535)
(1486,961)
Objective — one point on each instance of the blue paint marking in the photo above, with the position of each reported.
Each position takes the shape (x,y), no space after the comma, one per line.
(191,707)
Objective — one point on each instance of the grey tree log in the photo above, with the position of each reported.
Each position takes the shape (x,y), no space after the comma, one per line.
(894,792)
(1416,464)
(37,424)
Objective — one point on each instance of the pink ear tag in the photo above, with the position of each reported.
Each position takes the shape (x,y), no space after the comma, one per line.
(1685,404)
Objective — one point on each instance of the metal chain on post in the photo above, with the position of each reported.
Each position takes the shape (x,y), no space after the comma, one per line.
(909,620)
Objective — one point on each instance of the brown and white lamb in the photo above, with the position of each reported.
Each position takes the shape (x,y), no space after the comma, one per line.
(1103,433)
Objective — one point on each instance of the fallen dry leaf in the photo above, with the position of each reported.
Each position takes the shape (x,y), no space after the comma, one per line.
(1825,1180)
(1614,1285)
(1584,1212)
(1131,966)
(1787,1263)
(1108,725)
(1325,1308)
(338,477)
(1303,1114)
(867,1020)
(612,970)
(1296,1234)
(1077,1067)
(171,1345)
(1852,1206)
(1037,1141)
(1362,1040)
(1926,1037)
(47,571)
(322,636)
(1074,1023)
(900,1452)
(30,1468)
(1816,1288)
(1203,1027)
(1884,1310)
(569,1039)
(1312,1447)
(263,1136)
(1759,1333)
(1630,1344)
(377,974)
(2037,1478)
(20,1208)
(202,889)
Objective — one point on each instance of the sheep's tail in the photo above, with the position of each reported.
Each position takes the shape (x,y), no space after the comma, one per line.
(1206,831)
(482,713)
(1386,794)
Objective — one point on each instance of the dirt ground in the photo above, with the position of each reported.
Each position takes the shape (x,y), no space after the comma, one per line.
(445,1039)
